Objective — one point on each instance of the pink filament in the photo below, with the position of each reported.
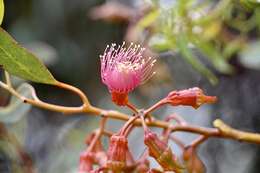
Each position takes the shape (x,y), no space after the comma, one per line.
(123,69)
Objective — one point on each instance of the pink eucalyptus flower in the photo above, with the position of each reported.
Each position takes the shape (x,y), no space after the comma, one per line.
(123,69)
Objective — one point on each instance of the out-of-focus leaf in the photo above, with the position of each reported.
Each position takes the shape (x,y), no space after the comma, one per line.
(218,61)
(64,154)
(192,161)
(257,16)
(182,44)
(219,10)
(16,108)
(233,47)
(113,12)
(2,10)
(250,4)
(211,30)
(148,19)
(20,62)
(250,56)
(160,43)
(11,149)
(134,33)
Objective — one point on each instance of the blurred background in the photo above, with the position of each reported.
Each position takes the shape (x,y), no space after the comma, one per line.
(212,44)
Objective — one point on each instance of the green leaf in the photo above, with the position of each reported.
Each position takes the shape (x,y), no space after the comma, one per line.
(214,56)
(20,62)
(160,43)
(250,4)
(2,10)
(149,19)
(182,44)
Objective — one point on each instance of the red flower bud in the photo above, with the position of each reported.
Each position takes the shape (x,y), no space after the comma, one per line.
(155,146)
(86,162)
(160,151)
(191,97)
(117,153)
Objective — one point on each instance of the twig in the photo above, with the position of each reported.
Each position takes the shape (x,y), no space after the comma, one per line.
(7,79)
(198,141)
(177,141)
(228,132)
(153,107)
(107,133)
(37,102)
(221,131)
(177,118)
(98,134)
(132,107)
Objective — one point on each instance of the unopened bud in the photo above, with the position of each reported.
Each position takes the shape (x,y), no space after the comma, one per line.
(191,97)
(86,162)
(117,153)
(160,151)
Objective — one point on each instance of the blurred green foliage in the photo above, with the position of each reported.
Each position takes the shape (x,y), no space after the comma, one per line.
(219,30)
(1,11)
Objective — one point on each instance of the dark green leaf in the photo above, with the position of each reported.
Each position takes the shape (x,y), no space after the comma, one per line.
(20,62)
(148,19)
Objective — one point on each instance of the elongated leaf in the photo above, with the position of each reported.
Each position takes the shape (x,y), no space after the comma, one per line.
(2,10)
(214,56)
(250,4)
(148,19)
(182,44)
(20,62)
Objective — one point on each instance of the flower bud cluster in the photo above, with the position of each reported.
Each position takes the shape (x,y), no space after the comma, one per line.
(122,70)
(118,157)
